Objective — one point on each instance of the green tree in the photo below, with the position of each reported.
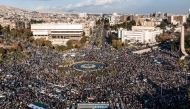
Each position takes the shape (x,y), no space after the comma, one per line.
(32,21)
(1,28)
(188,94)
(61,48)
(38,42)
(187,41)
(182,63)
(98,42)
(76,46)
(83,39)
(163,25)
(98,22)
(187,24)
(6,29)
(90,31)
(119,44)
(2,51)
(48,44)
(113,37)
(114,43)
(83,34)
(126,44)
(69,44)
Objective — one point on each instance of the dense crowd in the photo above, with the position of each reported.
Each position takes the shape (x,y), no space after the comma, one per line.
(151,80)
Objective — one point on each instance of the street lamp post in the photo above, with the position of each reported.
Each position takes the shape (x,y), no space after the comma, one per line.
(161,89)
(171,42)
(184,69)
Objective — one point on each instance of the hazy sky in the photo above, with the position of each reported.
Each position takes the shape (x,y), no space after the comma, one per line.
(103,6)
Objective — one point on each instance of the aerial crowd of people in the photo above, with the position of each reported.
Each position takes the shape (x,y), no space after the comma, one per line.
(151,80)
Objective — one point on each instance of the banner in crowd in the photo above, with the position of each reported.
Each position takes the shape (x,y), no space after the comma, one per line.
(37,105)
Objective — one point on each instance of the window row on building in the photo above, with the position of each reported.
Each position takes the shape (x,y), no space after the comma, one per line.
(66,31)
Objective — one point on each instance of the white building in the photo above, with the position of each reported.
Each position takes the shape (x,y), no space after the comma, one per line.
(148,35)
(82,15)
(58,33)
(115,14)
(112,20)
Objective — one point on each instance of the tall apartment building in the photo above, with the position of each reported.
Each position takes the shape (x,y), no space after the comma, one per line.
(174,19)
(57,33)
(137,19)
(124,18)
(112,20)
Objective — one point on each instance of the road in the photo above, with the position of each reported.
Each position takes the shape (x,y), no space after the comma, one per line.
(103,37)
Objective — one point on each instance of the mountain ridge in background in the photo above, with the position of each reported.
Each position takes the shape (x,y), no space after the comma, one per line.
(4,7)
(9,7)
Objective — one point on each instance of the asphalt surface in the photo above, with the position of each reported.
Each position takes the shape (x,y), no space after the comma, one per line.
(103,38)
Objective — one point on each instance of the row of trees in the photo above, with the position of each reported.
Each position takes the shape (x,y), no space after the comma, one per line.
(84,38)
(126,25)
(24,34)
(99,22)
(163,25)
(73,43)
(116,42)
(12,47)
(32,21)
(1,28)
(187,24)
(98,41)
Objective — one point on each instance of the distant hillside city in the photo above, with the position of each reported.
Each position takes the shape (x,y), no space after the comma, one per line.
(46,25)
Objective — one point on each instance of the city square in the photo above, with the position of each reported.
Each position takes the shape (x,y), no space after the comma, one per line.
(85,60)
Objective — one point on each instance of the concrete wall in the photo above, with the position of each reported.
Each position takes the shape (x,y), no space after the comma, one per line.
(142,28)
(55,26)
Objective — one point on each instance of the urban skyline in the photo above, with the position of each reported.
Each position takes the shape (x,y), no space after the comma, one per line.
(102,6)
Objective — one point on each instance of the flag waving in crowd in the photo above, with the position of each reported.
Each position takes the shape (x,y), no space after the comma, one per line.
(37,105)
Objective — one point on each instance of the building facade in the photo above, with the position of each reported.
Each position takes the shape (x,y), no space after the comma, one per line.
(112,20)
(139,35)
(175,19)
(124,18)
(57,33)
